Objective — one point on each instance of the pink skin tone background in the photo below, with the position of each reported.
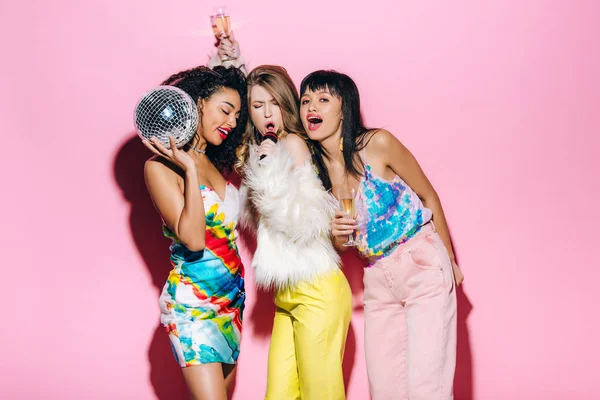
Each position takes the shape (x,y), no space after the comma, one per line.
(497,100)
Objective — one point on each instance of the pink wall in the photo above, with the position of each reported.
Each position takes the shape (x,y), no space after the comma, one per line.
(496,99)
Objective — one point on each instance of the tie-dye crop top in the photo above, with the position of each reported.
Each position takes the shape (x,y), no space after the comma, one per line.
(388,213)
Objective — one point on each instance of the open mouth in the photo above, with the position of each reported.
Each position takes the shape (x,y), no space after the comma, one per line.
(314,121)
(223,132)
(270,127)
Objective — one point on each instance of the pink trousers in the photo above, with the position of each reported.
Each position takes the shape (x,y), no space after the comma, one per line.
(410,321)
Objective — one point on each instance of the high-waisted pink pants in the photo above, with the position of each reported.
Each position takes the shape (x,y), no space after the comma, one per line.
(410,321)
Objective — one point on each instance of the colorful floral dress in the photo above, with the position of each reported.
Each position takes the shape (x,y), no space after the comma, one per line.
(203,300)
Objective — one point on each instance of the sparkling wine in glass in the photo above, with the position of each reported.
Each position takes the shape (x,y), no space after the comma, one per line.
(221,22)
(348,205)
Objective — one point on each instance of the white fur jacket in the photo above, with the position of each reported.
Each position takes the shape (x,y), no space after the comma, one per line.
(292,215)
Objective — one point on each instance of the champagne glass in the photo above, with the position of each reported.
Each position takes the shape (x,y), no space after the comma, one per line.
(348,205)
(221,23)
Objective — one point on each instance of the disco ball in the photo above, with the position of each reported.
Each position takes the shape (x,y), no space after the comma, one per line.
(166,111)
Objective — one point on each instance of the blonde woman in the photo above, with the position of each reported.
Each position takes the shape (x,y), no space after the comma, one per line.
(291,211)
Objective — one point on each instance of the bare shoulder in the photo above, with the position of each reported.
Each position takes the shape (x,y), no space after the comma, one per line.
(382,145)
(297,147)
(159,168)
(154,165)
(381,140)
(294,142)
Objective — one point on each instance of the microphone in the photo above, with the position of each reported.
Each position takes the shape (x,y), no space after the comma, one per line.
(268,136)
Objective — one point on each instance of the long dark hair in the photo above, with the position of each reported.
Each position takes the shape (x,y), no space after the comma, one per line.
(201,83)
(354,131)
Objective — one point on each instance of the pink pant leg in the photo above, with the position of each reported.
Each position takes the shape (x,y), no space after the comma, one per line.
(386,337)
(410,322)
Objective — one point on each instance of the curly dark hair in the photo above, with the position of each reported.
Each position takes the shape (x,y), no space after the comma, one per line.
(201,83)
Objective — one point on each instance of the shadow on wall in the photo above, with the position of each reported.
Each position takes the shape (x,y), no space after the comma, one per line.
(463,379)
(145,224)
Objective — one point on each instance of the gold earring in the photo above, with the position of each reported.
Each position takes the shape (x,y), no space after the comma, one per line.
(341,144)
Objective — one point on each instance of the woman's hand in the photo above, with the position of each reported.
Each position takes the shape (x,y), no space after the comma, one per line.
(267,148)
(175,155)
(458,275)
(342,225)
(229,48)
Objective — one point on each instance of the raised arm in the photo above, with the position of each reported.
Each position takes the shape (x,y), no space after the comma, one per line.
(228,54)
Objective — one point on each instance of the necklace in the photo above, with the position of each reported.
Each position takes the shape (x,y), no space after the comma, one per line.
(198,150)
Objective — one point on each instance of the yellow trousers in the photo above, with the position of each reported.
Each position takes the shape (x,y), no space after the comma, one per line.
(308,340)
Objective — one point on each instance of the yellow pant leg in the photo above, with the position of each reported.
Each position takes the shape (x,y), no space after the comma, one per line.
(321,322)
(282,371)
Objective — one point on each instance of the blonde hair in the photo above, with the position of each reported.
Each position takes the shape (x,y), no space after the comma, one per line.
(275,80)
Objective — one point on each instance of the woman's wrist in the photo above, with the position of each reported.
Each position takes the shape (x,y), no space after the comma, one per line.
(191,172)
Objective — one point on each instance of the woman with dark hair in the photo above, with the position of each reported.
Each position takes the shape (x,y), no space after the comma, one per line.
(409,298)
(203,300)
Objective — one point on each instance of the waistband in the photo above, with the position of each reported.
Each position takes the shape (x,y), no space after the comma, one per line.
(401,246)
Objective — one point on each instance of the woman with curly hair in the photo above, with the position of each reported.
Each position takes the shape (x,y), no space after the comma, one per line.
(203,299)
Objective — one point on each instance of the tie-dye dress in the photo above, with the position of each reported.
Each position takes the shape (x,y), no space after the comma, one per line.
(203,300)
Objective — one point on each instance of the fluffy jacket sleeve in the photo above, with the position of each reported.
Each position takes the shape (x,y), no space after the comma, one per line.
(289,199)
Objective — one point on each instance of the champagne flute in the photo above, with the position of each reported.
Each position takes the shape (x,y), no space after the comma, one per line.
(221,23)
(348,205)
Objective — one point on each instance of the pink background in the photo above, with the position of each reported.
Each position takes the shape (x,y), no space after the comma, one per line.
(499,101)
